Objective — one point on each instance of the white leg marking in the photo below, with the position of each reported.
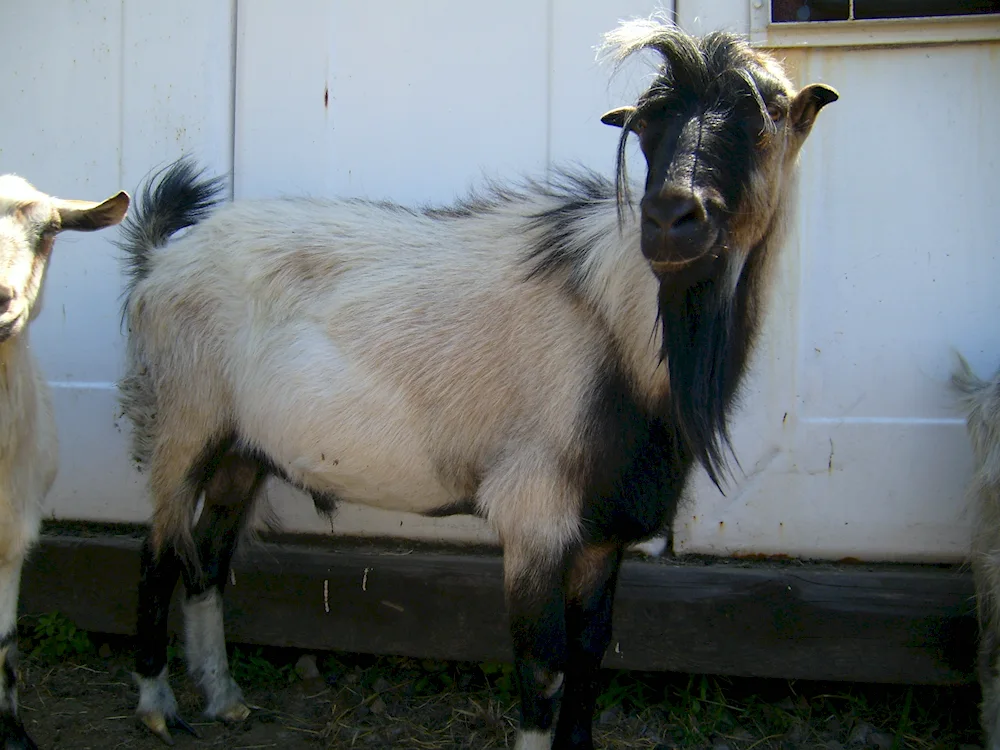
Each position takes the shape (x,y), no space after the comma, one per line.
(533,739)
(155,695)
(205,650)
(652,547)
(554,686)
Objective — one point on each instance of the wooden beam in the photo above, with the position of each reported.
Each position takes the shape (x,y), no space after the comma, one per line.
(907,624)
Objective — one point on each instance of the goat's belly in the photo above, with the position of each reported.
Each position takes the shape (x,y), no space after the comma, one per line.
(367,477)
(331,446)
(333,426)
(371,468)
(379,491)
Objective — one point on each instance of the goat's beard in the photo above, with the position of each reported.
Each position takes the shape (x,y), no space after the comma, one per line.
(706,336)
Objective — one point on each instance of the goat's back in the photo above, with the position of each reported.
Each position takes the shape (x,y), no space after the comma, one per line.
(400,344)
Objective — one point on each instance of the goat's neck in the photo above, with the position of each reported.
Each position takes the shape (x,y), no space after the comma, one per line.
(17,388)
(623,289)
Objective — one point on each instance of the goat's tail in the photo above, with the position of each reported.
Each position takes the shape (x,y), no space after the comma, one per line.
(172,199)
(974,394)
(176,197)
(979,401)
(964,381)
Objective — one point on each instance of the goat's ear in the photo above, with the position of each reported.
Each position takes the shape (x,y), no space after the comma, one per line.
(618,117)
(807,104)
(87,216)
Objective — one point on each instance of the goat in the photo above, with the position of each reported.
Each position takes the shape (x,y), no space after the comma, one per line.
(980,401)
(538,355)
(29,223)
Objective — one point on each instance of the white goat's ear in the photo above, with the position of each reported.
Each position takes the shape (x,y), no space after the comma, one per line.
(87,216)
(618,117)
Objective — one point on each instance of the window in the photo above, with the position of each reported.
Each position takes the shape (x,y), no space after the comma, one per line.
(800,11)
(802,23)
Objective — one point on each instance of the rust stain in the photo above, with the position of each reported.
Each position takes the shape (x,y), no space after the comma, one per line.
(760,556)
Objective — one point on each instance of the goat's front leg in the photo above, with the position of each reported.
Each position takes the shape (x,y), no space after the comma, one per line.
(536,606)
(11,730)
(592,579)
(536,514)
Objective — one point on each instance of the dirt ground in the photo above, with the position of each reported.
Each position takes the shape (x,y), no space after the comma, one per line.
(77,692)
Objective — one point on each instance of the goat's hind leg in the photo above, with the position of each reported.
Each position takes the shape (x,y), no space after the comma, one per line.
(158,574)
(12,734)
(229,495)
(180,472)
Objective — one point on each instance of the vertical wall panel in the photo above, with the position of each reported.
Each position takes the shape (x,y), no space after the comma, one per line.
(895,253)
(583,89)
(402,100)
(95,95)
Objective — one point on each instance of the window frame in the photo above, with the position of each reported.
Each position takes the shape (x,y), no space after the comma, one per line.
(865,33)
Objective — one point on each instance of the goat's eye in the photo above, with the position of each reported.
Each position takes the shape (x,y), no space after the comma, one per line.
(639,126)
(775,112)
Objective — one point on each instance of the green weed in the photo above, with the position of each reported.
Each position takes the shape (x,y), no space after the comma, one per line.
(54,636)
(253,668)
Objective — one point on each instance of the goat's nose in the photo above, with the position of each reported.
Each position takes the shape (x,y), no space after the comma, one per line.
(6,297)
(676,227)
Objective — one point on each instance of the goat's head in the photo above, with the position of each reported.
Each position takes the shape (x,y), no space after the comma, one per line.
(29,223)
(720,127)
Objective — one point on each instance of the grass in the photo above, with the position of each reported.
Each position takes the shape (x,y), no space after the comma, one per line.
(388,702)
(431,704)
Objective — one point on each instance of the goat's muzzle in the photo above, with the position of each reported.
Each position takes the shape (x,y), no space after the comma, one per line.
(678,231)
(9,315)
(8,327)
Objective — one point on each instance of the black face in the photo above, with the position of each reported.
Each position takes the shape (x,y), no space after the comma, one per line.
(706,127)
(700,154)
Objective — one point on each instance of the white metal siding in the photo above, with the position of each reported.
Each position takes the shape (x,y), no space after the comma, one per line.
(847,440)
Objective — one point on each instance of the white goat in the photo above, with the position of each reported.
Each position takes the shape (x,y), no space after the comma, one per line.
(29,222)
(981,402)
(552,358)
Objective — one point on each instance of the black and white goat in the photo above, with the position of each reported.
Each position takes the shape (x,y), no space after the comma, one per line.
(29,223)
(981,404)
(555,359)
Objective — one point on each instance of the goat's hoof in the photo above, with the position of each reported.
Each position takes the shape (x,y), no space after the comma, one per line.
(234,714)
(156,723)
(160,725)
(13,736)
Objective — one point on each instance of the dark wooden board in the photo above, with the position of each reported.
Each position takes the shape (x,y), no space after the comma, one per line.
(909,624)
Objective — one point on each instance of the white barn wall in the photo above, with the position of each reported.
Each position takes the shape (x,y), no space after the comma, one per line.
(889,265)
(848,439)
(95,95)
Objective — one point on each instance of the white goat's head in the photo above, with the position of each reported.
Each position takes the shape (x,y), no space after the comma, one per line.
(29,223)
